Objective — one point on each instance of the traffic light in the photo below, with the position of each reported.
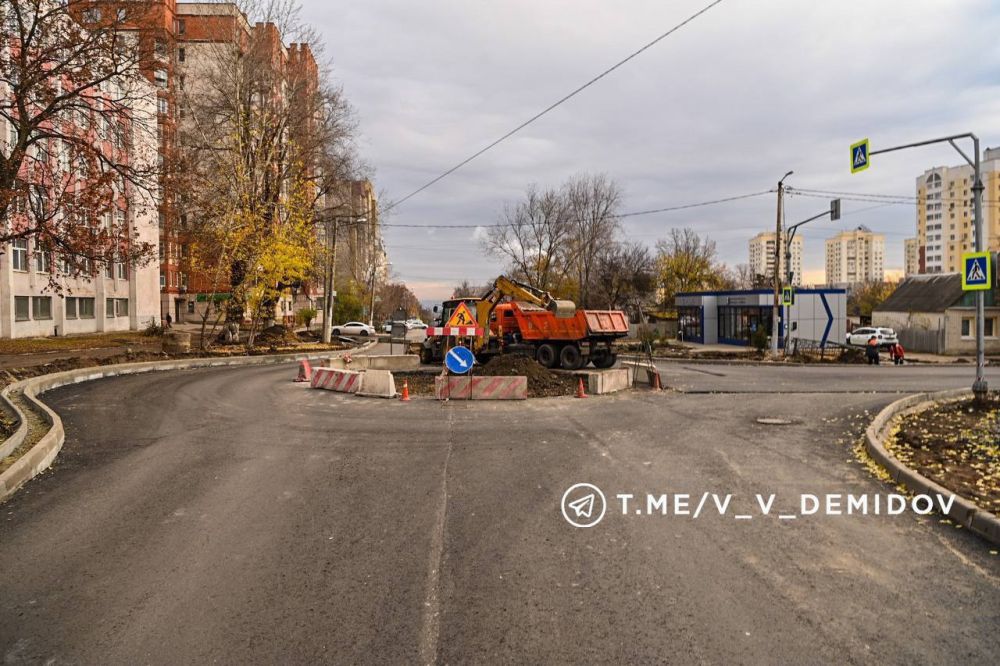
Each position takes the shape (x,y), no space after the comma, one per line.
(835,209)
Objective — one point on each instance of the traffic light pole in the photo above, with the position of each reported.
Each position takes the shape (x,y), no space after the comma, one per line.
(775,316)
(980,387)
(834,214)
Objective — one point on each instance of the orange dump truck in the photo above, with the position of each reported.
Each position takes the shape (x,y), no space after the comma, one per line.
(554,341)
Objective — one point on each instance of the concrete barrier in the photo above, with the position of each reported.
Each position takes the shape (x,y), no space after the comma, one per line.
(640,372)
(332,379)
(377,384)
(395,363)
(480,388)
(609,381)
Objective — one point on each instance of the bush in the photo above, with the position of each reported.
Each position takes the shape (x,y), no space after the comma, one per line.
(759,339)
(153,329)
(305,316)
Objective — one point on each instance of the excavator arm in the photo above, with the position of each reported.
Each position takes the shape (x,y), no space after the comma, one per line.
(517,291)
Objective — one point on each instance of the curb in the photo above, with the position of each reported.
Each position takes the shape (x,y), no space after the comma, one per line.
(983,523)
(40,456)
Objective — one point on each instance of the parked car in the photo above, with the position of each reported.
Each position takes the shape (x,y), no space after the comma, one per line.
(886,336)
(415,323)
(354,328)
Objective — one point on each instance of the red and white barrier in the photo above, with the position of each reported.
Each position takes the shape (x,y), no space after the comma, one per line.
(461,331)
(480,388)
(332,379)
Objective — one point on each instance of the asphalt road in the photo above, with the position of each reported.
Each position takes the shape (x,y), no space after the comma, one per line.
(233,516)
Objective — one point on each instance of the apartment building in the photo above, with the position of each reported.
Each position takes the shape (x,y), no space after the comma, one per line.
(762,257)
(911,257)
(945,214)
(855,256)
(41,292)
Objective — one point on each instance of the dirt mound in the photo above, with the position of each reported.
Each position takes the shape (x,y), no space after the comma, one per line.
(541,381)
(276,335)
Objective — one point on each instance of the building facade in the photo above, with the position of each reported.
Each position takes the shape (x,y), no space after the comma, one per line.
(911,257)
(855,256)
(945,214)
(762,257)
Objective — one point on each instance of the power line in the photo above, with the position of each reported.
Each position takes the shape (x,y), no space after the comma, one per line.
(551,107)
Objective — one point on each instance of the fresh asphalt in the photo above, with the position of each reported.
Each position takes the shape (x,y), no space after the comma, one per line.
(232,516)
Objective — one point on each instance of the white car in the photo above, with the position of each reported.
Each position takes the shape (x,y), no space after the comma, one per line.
(860,336)
(415,323)
(354,328)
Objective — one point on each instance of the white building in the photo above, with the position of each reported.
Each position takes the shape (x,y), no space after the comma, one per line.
(855,256)
(762,257)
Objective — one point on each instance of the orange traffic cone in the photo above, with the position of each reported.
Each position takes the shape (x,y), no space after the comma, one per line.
(656,380)
(305,371)
(406,391)
(580,393)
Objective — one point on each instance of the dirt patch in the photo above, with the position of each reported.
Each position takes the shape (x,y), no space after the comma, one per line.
(419,383)
(542,382)
(956,445)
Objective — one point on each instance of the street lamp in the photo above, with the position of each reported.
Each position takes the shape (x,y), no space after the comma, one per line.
(777,266)
(980,387)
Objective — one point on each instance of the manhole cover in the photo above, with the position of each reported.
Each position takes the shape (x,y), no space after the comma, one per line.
(766,420)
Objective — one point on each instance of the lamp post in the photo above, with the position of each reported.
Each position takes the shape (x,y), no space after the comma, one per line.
(331,224)
(980,387)
(777,266)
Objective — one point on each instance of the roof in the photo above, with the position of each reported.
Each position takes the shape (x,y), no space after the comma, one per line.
(924,293)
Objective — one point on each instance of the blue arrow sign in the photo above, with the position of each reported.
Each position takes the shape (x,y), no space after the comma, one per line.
(459,360)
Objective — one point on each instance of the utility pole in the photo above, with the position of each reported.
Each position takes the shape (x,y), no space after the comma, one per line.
(329,271)
(775,319)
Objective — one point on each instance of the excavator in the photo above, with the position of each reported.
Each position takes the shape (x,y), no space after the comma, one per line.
(531,322)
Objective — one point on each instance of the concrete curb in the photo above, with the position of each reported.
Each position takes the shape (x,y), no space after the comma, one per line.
(983,523)
(41,455)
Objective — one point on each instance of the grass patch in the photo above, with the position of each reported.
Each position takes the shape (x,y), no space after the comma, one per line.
(71,342)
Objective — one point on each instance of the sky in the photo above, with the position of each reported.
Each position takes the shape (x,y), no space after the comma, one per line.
(723,107)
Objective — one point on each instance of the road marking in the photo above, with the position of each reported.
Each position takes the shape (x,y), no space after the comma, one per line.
(786,516)
(431,622)
(744,517)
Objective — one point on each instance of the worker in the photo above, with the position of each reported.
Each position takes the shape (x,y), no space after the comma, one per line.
(897,353)
(871,351)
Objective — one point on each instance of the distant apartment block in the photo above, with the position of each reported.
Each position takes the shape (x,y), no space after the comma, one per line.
(855,256)
(762,257)
(911,257)
(945,213)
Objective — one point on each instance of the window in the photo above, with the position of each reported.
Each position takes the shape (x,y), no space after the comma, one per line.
(108,271)
(71,308)
(990,324)
(19,254)
(181,27)
(163,281)
(109,308)
(92,15)
(161,253)
(190,307)
(122,270)
(41,307)
(20,308)
(180,55)
(122,306)
(43,261)
(85,307)
(968,324)
(160,76)
(162,105)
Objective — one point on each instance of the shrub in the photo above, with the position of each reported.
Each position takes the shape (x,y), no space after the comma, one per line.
(759,339)
(153,329)
(305,316)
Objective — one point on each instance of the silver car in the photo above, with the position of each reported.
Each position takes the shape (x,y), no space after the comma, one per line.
(354,328)
(860,336)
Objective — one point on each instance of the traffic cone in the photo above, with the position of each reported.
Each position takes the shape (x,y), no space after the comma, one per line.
(305,371)
(406,391)
(580,393)
(656,380)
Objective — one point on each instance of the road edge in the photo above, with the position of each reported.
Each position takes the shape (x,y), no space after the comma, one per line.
(963,511)
(38,458)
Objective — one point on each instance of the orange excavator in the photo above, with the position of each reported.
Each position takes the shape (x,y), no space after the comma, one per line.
(531,322)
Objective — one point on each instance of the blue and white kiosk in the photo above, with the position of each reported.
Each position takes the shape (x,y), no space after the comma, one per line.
(731,317)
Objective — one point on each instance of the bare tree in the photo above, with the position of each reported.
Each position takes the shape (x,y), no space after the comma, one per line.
(624,277)
(77,109)
(468,290)
(592,202)
(531,238)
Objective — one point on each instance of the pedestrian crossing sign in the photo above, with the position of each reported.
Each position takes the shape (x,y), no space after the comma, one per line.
(859,156)
(788,296)
(976,271)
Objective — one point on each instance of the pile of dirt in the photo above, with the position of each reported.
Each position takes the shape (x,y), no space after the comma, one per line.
(276,335)
(542,382)
(419,383)
(956,445)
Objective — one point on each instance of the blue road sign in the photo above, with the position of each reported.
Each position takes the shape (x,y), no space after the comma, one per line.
(859,156)
(459,360)
(976,271)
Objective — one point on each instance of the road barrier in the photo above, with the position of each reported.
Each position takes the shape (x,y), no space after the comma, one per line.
(305,371)
(377,384)
(480,388)
(609,381)
(396,363)
(341,381)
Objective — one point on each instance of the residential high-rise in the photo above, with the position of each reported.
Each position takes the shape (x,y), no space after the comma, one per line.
(855,256)
(945,213)
(911,256)
(762,257)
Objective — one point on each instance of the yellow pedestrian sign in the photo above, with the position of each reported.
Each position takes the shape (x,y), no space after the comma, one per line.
(976,273)
(859,156)
(462,316)
(788,296)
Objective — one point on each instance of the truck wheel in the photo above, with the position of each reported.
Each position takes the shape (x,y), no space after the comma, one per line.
(546,355)
(570,358)
(603,359)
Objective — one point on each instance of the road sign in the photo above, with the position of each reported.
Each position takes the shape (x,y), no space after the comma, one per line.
(976,273)
(462,316)
(459,360)
(859,156)
(788,296)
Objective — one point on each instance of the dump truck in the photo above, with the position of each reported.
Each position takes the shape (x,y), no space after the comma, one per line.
(531,322)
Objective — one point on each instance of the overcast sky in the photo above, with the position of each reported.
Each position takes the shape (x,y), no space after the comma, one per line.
(725,106)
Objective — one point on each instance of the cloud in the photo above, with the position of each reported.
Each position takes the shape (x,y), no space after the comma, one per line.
(724,106)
